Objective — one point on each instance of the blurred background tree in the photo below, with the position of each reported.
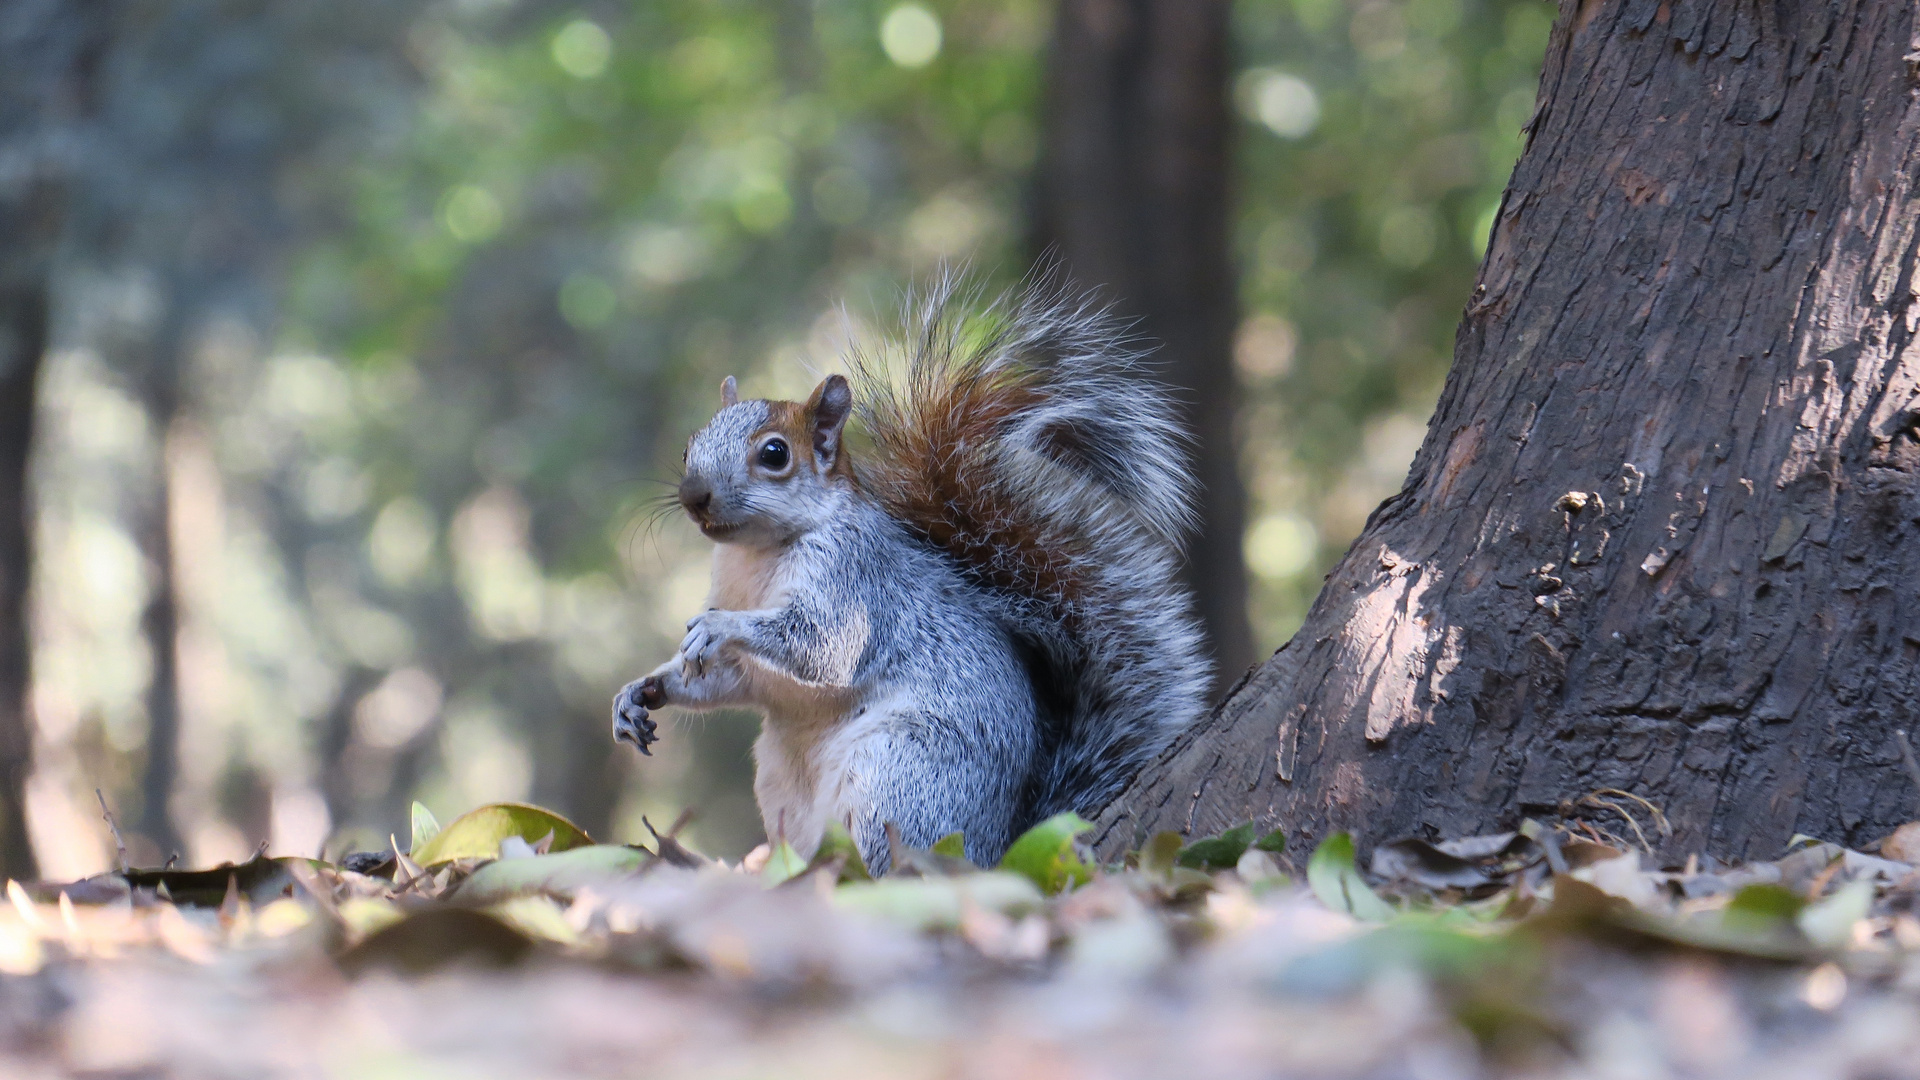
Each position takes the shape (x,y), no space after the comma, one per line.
(1133,199)
(378,327)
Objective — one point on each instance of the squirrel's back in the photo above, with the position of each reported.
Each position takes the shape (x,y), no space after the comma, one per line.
(1021,438)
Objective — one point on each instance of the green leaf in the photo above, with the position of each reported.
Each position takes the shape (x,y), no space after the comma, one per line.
(953,845)
(1583,910)
(538,917)
(1273,843)
(365,914)
(559,875)
(1159,856)
(1045,854)
(1339,885)
(1829,922)
(425,827)
(1218,852)
(782,864)
(838,843)
(1762,907)
(937,903)
(477,834)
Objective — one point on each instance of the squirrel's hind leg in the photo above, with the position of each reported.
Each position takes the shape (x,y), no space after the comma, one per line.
(914,774)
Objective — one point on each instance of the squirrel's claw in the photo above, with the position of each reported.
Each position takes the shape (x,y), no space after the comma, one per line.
(632,708)
(702,644)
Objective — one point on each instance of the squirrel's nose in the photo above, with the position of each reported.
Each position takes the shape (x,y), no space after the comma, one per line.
(695,495)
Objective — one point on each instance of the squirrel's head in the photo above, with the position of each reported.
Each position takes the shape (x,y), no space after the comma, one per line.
(763,472)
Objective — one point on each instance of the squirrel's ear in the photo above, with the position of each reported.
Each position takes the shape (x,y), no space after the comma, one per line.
(828,408)
(729,392)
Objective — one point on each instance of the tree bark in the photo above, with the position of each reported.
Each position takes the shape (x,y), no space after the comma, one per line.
(1134,200)
(1661,536)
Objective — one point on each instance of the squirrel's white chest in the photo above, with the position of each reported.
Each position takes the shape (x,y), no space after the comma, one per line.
(805,779)
(745,579)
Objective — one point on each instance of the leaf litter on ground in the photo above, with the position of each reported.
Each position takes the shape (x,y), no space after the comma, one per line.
(510,943)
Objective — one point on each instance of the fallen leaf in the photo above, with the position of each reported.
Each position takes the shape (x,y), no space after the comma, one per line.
(1472,864)
(928,903)
(1218,852)
(425,827)
(1829,922)
(1161,852)
(783,863)
(1904,844)
(479,833)
(260,879)
(561,874)
(1337,882)
(837,845)
(538,917)
(438,937)
(1045,854)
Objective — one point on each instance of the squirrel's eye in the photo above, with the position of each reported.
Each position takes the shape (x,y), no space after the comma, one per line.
(774,454)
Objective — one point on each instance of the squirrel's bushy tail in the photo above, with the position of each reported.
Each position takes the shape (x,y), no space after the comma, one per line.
(1020,437)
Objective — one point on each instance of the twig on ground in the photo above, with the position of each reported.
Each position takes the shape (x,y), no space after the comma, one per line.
(681,822)
(119,842)
(1609,804)
(1603,837)
(1659,818)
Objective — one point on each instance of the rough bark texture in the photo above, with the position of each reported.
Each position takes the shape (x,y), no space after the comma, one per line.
(1661,537)
(1134,201)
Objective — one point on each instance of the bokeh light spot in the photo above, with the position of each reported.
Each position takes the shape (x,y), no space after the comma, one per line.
(582,49)
(761,203)
(1284,103)
(470,213)
(1263,348)
(910,34)
(400,544)
(1281,545)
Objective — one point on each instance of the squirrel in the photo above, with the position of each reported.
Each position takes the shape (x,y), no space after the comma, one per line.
(970,623)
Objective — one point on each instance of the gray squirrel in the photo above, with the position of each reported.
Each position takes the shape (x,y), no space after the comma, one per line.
(975,625)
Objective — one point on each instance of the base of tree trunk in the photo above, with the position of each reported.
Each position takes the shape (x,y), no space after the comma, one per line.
(1657,564)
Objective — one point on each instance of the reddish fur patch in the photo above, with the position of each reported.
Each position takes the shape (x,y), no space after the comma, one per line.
(794,420)
(789,418)
(930,474)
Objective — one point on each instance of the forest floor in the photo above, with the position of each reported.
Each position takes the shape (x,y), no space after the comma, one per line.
(508,945)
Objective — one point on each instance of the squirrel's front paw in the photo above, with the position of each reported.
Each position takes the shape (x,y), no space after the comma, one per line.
(706,632)
(632,709)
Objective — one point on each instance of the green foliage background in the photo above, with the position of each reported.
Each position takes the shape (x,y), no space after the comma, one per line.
(513,285)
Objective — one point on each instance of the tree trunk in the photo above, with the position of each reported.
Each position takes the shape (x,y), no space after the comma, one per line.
(48,54)
(160,620)
(23,341)
(1661,537)
(1134,200)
